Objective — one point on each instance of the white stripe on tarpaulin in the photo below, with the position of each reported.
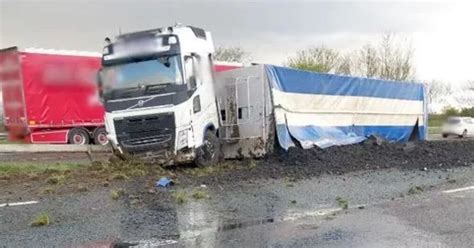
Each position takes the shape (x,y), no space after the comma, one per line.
(345,104)
(342,120)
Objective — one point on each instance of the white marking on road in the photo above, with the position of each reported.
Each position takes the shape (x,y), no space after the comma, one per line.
(458,190)
(13,204)
(316,213)
(155,242)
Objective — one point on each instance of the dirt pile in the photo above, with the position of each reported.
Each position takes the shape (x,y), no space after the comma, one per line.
(369,155)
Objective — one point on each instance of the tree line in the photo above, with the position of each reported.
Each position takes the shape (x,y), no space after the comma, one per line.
(390,58)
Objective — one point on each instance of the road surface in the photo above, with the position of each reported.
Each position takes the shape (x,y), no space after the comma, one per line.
(266,213)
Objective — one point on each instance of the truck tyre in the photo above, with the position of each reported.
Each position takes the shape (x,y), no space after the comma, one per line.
(445,135)
(209,153)
(78,136)
(100,136)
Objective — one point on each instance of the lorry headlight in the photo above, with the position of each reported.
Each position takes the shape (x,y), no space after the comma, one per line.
(182,138)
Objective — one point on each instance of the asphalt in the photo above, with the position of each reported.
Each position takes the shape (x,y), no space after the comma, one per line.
(266,213)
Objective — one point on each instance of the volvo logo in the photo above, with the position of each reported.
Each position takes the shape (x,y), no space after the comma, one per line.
(140,103)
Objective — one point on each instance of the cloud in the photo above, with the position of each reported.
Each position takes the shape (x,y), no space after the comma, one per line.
(270,30)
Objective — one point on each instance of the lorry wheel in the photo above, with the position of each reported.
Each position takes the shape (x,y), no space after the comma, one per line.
(209,153)
(100,136)
(78,136)
(445,135)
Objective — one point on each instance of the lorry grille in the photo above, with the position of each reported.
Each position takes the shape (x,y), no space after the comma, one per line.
(148,133)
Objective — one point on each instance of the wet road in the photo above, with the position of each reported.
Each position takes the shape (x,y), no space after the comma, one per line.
(432,220)
(276,213)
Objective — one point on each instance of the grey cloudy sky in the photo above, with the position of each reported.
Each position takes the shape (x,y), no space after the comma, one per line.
(441,32)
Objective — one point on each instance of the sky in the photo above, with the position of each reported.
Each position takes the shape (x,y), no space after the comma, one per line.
(441,32)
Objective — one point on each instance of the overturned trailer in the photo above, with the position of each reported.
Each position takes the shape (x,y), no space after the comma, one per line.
(260,103)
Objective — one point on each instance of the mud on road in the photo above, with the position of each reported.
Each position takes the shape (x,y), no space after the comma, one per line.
(294,164)
(238,193)
(369,155)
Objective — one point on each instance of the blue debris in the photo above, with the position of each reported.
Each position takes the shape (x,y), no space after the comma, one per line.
(164,182)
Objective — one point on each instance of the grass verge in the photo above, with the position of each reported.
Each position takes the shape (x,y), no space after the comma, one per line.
(180,197)
(29,168)
(199,194)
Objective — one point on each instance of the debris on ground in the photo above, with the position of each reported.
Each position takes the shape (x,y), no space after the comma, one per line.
(41,219)
(164,182)
(115,194)
(297,163)
(415,190)
(342,203)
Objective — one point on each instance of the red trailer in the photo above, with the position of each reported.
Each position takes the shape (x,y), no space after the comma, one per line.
(225,66)
(50,96)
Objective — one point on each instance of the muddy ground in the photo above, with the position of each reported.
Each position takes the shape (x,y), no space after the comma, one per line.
(370,155)
(294,165)
(244,193)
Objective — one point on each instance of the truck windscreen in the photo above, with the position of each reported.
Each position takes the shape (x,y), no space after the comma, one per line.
(164,70)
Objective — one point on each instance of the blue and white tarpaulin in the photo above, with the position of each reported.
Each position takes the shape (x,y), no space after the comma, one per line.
(326,110)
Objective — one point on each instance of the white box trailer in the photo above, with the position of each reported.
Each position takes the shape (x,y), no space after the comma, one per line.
(260,103)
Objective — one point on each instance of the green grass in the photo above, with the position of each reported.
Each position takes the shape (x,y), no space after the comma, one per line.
(415,190)
(115,194)
(41,219)
(180,197)
(56,179)
(434,130)
(199,194)
(436,120)
(342,203)
(6,142)
(28,168)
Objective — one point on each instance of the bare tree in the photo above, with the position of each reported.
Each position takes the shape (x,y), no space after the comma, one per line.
(368,62)
(466,96)
(231,54)
(396,59)
(469,85)
(437,90)
(346,65)
(390,59)
(318,59)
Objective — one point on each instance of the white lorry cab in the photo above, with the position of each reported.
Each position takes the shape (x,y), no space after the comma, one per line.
(157,89)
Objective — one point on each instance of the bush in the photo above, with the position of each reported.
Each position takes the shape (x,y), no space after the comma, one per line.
(450,111)
(467,112)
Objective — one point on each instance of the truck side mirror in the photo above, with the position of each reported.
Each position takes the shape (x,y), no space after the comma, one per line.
(190,72)
(192,83)
(99,85)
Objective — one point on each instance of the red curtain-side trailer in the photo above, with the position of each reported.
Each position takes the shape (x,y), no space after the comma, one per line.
(50,96)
